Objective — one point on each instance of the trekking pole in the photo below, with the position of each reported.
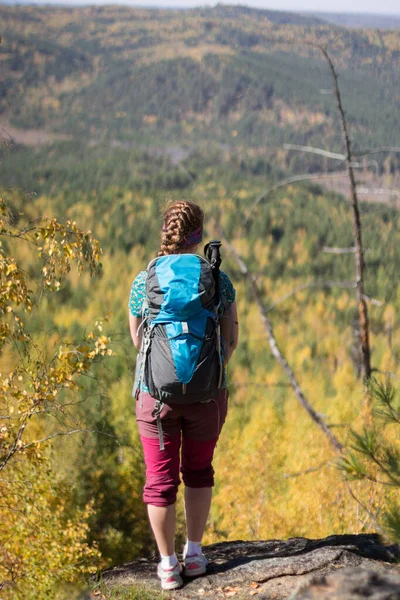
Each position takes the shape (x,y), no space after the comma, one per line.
(213,255)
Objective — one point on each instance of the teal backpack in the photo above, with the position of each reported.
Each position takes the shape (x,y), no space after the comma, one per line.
(180,356)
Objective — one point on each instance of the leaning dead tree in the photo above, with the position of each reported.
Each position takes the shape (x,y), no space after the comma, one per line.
(277,353)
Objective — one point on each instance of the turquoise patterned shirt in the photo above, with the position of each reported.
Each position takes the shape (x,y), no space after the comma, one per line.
(138,292)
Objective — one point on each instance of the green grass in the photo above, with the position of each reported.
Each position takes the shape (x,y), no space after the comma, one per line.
(124,592)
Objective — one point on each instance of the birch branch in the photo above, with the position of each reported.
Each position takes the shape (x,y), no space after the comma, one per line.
(314,150)
(378,191)
(17,444)
(288,181)
(329,154)
(373,301)
(365,509)
(306,471)
(70,432)
(338,250)
(298,179)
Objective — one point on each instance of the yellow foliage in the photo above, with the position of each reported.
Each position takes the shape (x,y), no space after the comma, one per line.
(150,119)
(388,361)
(243,194)
(289,484)
(173,50)
(242,247)
(343,301)
(262,250)
(389,316)
(345,380)
(299,249)
(302,356)
(41,540)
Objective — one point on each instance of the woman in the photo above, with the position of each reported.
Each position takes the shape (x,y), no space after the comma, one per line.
(195,427)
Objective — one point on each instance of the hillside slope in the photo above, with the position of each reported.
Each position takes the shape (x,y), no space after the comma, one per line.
(358,21)
(224,74)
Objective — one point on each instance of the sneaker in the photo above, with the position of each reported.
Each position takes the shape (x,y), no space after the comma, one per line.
(195,564)
(170,578)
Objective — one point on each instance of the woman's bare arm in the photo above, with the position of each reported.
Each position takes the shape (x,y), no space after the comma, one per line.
(230,331)
(134,323)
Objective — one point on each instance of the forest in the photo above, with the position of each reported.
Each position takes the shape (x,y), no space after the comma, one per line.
(106,115)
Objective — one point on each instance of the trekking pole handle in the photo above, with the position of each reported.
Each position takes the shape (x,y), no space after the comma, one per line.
(213,255)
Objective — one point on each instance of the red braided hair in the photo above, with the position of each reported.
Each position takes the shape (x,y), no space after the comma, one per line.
(180,220)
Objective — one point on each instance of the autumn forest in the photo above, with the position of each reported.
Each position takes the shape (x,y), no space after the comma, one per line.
(106,115)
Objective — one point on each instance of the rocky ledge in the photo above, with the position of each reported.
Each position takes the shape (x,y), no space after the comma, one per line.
(339,567)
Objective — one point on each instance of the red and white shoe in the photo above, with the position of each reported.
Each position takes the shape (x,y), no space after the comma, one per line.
(170,578)
(195,564)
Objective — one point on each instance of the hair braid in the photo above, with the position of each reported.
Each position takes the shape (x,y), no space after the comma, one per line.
(180,219)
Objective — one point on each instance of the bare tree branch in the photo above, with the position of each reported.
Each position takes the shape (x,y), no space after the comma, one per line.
(365,509)
(388,373)
(71,432)
(16,445)
(275,349)
(373,301)
(314,150)
(338,250)
(329,154)
(306,471)
(297,179)
(288,181)
(378,191)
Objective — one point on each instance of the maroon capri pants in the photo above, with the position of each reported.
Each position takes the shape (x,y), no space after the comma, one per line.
(195,427)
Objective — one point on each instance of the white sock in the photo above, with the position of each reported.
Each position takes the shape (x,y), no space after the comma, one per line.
(192,548)
(168,562)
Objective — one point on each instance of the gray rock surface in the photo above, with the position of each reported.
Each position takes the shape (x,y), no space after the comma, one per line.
(277,569)
(351,584)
